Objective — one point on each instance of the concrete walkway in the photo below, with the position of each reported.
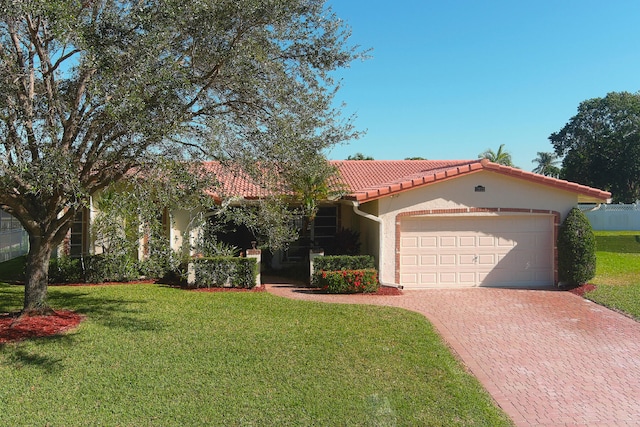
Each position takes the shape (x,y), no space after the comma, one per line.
(548,358)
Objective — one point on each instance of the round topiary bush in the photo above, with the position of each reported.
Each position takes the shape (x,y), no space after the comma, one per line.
(576,250)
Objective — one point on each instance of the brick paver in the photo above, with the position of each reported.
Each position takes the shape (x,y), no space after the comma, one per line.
(548,358)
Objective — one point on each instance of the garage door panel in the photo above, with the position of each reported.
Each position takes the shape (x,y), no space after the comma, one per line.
(448,278)
(542,276)
(428,242)
(409,260)
(448,241)
(468,259)
(467,241)
(409,279)
(527,239)
(468,278)
(409,242)
(448,259)
(472,251)
(428,260)
(487,259)
(505,242)
(429,279)
(487,241)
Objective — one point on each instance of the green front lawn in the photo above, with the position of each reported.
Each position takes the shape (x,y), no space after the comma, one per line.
(618,271)
(152,355)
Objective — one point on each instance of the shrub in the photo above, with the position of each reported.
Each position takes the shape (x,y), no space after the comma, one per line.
(65,270)
(576,250)
(225,271)
(93,269)
(349,281)
(110,268)
(340,262)
(159,264)
(345,242)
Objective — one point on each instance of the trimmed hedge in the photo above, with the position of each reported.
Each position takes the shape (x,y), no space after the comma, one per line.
(349,281)
(93,269)
(340,262)
(66,270)
(576,249)
(221,271)
(100,268)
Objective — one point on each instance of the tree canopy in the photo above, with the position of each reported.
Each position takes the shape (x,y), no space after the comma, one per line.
(95,92)
(501,156)
(359,156)
(601,145)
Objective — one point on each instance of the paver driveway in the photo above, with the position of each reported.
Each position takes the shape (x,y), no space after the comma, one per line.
(548,358)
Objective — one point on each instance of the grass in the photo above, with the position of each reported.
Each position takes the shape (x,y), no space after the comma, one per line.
(618,271)
(152,355)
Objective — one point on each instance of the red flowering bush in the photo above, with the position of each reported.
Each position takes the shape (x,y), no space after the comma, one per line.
(349,281)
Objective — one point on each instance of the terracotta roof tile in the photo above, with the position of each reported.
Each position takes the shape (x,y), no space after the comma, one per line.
(234,182)
(367,180)
(359,175)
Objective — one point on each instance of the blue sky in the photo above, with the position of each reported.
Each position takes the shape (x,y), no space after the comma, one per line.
(449,79)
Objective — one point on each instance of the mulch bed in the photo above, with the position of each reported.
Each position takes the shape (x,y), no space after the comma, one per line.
(581,290)
(387,291)
(14,327)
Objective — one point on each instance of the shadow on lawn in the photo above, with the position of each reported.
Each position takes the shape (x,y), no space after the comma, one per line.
(10,299)
(21,358)
(113,313)
(128,315)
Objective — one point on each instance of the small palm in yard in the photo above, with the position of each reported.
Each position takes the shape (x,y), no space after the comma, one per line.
(150,355)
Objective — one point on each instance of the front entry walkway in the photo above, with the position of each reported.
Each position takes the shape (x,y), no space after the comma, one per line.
(548,358)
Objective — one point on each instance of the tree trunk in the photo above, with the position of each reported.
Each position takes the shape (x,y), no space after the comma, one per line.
(37,276)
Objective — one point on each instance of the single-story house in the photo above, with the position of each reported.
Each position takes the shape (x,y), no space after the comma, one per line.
(453,223)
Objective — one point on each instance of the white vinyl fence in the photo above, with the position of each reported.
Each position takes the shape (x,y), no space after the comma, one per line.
(613,217)
(13,243)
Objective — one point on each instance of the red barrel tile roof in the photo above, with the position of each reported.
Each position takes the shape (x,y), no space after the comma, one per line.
(367,180)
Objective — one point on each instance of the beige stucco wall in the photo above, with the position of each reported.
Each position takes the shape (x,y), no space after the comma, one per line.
(184,229)
(458,193)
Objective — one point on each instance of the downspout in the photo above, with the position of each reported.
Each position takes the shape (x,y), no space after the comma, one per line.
(358,212)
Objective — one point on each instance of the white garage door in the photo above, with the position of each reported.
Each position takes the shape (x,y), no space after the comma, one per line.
(476,251)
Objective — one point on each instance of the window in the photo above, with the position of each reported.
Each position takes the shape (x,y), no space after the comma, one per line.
(321,234)
(78,243)
(325,226)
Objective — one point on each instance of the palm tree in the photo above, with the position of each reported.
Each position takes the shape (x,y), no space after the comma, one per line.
(547,164)
(501,156)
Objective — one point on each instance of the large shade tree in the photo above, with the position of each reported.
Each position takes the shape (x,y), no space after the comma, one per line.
(601,145)
(93,92)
